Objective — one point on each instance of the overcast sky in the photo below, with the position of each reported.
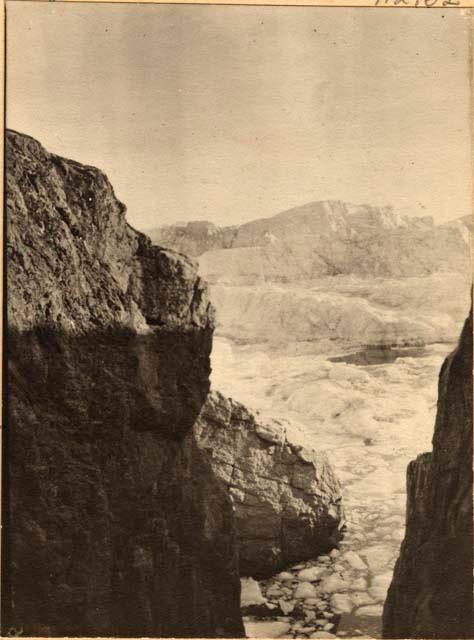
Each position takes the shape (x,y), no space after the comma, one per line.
(233,113)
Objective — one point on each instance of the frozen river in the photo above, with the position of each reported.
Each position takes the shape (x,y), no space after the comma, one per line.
(371,414)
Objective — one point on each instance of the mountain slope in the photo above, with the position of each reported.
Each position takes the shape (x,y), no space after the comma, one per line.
(333,271)
(319,239)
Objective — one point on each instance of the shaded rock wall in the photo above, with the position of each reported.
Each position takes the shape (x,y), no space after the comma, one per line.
(287,500)
(431,592)
(115,522)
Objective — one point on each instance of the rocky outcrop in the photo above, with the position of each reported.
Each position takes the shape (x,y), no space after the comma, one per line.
(116,524)
(287,500)
(431,592)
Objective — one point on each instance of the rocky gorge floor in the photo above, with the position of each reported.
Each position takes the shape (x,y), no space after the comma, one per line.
(370,423)
(337,595)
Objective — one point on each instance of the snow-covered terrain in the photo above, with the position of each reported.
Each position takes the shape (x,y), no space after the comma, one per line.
(371,420)
(337,318)
(344,309)
(320,239)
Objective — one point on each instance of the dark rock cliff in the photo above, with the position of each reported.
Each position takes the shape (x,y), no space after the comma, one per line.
(286,497)
(115,523)
(431,592)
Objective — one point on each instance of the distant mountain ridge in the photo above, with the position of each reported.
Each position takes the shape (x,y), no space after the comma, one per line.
(320,239)
(194,238)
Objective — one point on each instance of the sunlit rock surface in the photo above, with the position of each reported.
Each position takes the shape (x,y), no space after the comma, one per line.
(287,500)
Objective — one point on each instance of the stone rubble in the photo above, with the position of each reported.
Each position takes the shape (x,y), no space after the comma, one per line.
(340,594)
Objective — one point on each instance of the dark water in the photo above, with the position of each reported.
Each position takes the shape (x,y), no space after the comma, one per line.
(373,355)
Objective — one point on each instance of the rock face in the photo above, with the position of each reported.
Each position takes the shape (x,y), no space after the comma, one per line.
(431,592)
(116,523)
(287,500)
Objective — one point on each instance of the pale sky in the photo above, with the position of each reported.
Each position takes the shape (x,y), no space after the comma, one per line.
(232,113)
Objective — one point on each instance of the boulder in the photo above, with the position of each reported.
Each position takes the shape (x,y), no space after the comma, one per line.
(312,574)
(355,561)
(250,593)
(341,603)
(333,583)
(287,500)
(270,629)
(305,590)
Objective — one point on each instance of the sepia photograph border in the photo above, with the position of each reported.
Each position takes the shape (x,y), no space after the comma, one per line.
(422,6)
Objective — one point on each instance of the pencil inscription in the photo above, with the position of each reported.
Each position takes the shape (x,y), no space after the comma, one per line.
(419,3)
